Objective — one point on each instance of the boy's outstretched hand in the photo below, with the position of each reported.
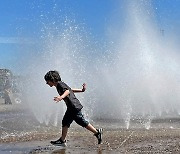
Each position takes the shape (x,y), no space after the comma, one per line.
(83,87)
(58,98)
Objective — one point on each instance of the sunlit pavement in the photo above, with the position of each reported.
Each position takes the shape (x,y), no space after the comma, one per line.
(22,133)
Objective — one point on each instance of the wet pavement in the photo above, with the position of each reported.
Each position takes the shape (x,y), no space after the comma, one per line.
(21,133)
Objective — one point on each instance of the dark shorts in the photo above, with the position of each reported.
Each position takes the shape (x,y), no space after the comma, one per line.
(76,116)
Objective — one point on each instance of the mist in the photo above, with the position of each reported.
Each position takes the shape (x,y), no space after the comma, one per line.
(135,74)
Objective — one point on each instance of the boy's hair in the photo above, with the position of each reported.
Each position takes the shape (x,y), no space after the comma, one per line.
(52,76)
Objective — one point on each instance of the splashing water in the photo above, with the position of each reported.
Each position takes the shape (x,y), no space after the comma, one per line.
(61,52)
(142,71)
(137,75)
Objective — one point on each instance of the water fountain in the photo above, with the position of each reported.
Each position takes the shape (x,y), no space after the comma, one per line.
(140,79)
(137,77)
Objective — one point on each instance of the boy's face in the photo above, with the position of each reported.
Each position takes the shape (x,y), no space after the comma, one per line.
(50,83)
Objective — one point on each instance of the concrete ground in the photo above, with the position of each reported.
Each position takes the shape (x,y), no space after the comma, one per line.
(25,135)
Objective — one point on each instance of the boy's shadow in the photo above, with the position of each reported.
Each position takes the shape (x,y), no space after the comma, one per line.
(63,151)
(59,151)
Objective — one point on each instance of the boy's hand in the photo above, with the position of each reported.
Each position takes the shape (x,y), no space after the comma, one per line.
(58,98)
(83,87)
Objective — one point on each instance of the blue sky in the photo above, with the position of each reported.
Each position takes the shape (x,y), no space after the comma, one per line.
(25,19)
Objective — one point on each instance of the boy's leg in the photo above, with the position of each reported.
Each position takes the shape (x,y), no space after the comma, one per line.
(64,133)
(91,128)
(66,122)
(61,141)
(97,132)
(79,119)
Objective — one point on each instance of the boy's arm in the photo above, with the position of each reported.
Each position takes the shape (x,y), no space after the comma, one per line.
(80,90)
(59,98)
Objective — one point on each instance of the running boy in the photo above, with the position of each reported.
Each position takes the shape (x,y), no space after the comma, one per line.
(74,107)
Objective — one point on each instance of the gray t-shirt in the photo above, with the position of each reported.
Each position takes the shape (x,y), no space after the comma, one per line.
(71,101)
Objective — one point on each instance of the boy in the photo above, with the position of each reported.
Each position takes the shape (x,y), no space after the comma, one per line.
(74,107)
